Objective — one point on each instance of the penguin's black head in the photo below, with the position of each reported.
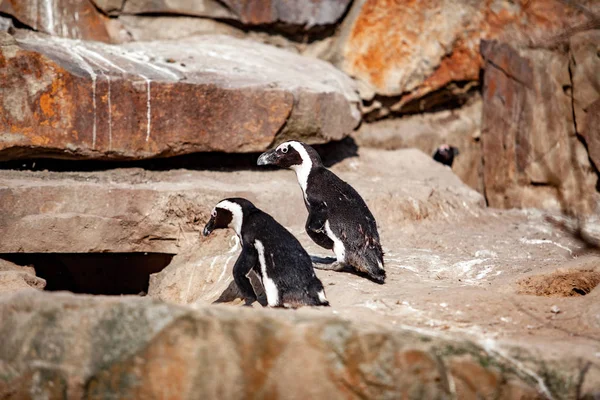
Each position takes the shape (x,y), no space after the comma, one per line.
(445,154)
(228,213)
(292,155)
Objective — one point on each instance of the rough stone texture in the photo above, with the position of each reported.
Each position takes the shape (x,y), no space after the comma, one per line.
(456,277)
(532,156)
(248,12)
(414,48)
(162,212)
(15,277)
(584,68)
(149,28)
(426,132)
(68,98)
(453,275)
(75,19)
(91,347)
(307,14)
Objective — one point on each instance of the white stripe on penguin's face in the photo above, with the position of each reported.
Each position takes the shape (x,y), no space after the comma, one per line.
(302,170)
(268,283)
(237,216)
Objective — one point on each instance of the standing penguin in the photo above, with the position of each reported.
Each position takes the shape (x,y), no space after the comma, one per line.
(338,217)
(276,256)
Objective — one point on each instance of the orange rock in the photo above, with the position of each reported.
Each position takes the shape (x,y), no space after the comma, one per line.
(89,100)
(410,48)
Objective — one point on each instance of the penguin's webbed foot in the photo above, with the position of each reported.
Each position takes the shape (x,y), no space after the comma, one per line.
(327,264)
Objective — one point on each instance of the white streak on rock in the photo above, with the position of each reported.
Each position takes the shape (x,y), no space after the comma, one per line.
(86,67)
(144,61)
(109,115)
(187,292)
(49,11)
(102,69)
(101,58)
(148,107)
(545,241)
(224,268)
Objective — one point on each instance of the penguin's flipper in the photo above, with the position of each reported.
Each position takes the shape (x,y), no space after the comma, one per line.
(315,226)
(246,261)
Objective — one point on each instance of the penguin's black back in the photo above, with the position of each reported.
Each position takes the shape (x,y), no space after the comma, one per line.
(349,217)
(288,264)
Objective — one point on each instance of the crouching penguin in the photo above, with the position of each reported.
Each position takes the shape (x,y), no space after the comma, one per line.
(275,255)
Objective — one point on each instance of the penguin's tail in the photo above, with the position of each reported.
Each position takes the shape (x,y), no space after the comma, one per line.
(370,261)
(312,295)
(317,292)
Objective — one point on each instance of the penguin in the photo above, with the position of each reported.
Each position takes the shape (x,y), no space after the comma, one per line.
(445,154)
(338,218)
(276,256)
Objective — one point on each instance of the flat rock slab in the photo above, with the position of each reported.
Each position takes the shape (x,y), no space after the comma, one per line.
(124,347)
(132,210)
(73,99)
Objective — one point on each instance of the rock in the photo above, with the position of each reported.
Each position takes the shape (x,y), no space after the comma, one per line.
(6,24)
(149,28)
(426,132)
(75,19)
(73,99)
(412,49)
(584,66)
(531,154)
(306,14)
(124,347)
(163,212)
(302,14)
(15,277)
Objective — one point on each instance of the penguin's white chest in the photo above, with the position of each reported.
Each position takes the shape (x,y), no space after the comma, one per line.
(338,247)
(270,288)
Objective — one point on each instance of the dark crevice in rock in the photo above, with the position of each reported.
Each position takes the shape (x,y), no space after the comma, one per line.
(546,184)
(332,153)
(16,23)
(509,75)
(94,273)
(452,97)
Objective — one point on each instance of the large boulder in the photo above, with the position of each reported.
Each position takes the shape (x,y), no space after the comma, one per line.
(85,347)
(74,99)
(411,49)
(532,154)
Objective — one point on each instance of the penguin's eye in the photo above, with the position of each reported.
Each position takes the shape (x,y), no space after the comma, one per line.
(284,149)
(213,213)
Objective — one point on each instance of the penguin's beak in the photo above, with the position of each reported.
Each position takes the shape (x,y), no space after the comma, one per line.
(209,227)
(268,158)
